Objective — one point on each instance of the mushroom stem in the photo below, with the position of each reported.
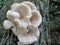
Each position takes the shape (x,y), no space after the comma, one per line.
(21,26)
(36,18)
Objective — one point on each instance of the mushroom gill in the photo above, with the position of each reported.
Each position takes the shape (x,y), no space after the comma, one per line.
(36,18)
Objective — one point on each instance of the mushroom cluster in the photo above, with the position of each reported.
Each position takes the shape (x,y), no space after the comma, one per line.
(24,19)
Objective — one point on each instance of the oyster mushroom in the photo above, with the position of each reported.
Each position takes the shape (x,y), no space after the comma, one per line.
(24,20)
(21,27)
(36,18)
(34,31)
(24,10)
(12,15)
(14,5)
(30,37)
(30,4)
(19,43)
(7,24)
(23,23)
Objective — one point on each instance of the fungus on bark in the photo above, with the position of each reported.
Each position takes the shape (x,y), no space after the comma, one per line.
(25,19)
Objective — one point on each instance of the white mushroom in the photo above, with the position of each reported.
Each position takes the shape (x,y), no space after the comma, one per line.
(27,39)
(21,27)
(14,5)
(35,31)
(22,23)
(12,15)
(36,18)
(16,31)
(30,4)
(24,20)
(30,37)
(7,24)
(24,10)
(19,43)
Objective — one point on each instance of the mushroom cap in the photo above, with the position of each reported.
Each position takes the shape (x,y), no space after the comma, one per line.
(14,5)
(21,26)
(30,4)
(27,39)
(19,43)
(15,31)
(36,18)
(12,15)
(34,31)
(24,10)
(7,24)
(22,23)
(19,30)
(30,37)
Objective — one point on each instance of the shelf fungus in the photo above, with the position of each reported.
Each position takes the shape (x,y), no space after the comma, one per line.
(24,18)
